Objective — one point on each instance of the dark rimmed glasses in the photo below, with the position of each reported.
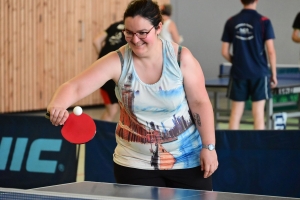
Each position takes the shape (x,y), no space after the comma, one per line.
(141,35)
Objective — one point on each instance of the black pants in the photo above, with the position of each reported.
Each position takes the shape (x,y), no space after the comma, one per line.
(179,178)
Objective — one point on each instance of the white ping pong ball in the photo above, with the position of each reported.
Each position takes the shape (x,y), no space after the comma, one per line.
(77,110)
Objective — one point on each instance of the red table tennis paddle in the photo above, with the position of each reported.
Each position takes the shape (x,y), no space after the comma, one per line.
(78,129)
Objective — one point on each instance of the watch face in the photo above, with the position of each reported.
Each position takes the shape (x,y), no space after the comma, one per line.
(211,147)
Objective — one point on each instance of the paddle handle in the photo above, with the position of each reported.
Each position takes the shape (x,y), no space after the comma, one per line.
(47,115)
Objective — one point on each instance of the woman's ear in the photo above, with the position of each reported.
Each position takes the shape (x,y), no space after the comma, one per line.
(158,28)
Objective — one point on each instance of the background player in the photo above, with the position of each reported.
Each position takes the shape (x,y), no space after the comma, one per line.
(296,32)
(169,30)
(296,27)
(109,40)
(248,32)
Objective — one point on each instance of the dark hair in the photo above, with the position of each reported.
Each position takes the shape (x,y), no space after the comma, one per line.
(247,2)
(144,8)
(166,9)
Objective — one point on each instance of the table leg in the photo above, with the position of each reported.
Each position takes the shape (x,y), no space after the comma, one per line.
(269,113)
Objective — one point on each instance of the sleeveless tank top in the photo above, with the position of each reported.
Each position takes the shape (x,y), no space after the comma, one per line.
(155,130)
(165,33)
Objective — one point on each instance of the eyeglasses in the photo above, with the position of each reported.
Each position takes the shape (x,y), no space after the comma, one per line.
(141,35)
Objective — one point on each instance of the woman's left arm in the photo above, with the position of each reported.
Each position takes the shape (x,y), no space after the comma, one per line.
(201,109)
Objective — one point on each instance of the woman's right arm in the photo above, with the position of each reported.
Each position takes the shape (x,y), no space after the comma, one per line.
(104,69)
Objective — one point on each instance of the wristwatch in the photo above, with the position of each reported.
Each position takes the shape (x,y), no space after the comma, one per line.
(210,147)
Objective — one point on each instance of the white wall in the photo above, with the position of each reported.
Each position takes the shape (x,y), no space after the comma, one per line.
(201,23)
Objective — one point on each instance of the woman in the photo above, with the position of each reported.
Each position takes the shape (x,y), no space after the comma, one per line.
(165,133)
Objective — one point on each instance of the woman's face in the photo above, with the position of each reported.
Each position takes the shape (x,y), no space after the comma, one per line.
(140,34)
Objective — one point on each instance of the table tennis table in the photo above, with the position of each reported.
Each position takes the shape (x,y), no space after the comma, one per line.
(288,77)
(112,191)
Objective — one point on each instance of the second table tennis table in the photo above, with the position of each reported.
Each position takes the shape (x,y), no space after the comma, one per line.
(287,84)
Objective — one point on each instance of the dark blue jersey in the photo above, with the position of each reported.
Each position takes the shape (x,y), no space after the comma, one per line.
(247,32)
(114,39)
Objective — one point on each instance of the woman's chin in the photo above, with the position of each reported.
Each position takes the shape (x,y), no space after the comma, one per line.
(138,49)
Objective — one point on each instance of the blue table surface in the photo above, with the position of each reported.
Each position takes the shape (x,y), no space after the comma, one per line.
(109,191)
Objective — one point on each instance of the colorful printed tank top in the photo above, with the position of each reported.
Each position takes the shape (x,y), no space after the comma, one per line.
(155,130)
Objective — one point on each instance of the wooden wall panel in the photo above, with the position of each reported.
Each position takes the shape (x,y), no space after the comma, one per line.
(39,56)
(88,55)
(30,57)
(12,54)
(2,52)
(22,49)
(43,43)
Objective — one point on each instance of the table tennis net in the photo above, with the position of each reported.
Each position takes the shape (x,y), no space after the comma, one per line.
(283,71)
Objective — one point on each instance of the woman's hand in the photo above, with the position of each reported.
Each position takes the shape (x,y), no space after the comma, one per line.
(209,162)
(58,116)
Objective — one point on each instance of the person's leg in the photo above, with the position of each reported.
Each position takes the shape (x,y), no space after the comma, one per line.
(187,179)
(260,91)
(238,93)
(110,112)
(110,101)
(133,176)
(258,114)
(237,109)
